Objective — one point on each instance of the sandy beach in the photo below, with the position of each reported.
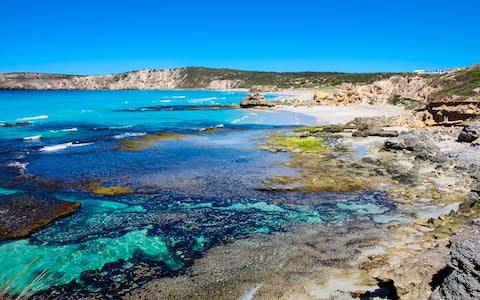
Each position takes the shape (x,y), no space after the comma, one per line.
(335,114)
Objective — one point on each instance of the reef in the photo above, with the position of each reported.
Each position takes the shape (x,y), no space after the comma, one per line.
(110,190)
(23,214)
(146,141)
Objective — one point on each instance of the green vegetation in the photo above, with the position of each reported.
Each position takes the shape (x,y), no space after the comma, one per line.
(409,104)
(395,100)
(199,77)
(292,142)
(464,83)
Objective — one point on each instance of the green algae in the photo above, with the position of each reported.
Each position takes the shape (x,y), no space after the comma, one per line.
(337,183)
(64,263)
(294,143)
(113,190)
(309,129)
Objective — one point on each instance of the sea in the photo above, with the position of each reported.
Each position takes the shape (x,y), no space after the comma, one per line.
(190,162)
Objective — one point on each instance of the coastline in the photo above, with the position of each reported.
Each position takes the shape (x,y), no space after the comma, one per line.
(360,252)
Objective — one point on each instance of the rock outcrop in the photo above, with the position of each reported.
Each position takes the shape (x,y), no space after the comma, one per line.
(463,279)
(411,88)
(450,111)
(263,89)
(470,132)
(321,96)
(23,214)
(255,101)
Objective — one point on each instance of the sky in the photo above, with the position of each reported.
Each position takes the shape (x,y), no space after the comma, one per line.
(104,36)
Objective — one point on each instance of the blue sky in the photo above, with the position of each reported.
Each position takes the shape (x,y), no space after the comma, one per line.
(103,36)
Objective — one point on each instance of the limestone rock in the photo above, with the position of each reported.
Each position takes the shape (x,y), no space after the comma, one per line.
(320,96)
(263,88)
(450,111)
(255,101)
(463,280)
(416,141)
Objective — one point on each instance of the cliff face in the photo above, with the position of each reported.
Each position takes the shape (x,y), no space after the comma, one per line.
(193,77)
(145,79)
(449,100)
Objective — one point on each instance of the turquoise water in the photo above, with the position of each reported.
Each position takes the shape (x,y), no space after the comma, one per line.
(191,164)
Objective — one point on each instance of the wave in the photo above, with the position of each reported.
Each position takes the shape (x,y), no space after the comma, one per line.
(178,97)
(63,146)
(162,101)
(121,127)
(239,120)
(210,128)
(33,118)
(128,134)
(199,100)
(65,130)
(32,138)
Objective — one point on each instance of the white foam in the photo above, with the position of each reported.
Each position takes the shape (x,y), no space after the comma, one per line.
(65,130)
(240,119)
(120,127)
(220,126)
(62,146)
(20,166)
(179,97)
(33,118)
(162,101)
(128,134)
(32,138)
(199,100)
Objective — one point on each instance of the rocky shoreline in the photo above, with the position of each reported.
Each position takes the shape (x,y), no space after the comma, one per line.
(432,174)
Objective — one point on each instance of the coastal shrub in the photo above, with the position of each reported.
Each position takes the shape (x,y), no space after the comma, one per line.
(394,100)
(465,83)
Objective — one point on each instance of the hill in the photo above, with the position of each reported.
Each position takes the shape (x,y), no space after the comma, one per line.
(184,78)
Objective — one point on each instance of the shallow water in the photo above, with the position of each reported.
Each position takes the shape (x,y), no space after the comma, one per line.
(193,176)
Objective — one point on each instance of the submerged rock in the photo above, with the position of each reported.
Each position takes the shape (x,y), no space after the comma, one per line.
(16,124)
(255,100)
(23,214)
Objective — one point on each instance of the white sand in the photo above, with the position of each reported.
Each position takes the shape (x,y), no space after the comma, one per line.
(335,114)
(326,114)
